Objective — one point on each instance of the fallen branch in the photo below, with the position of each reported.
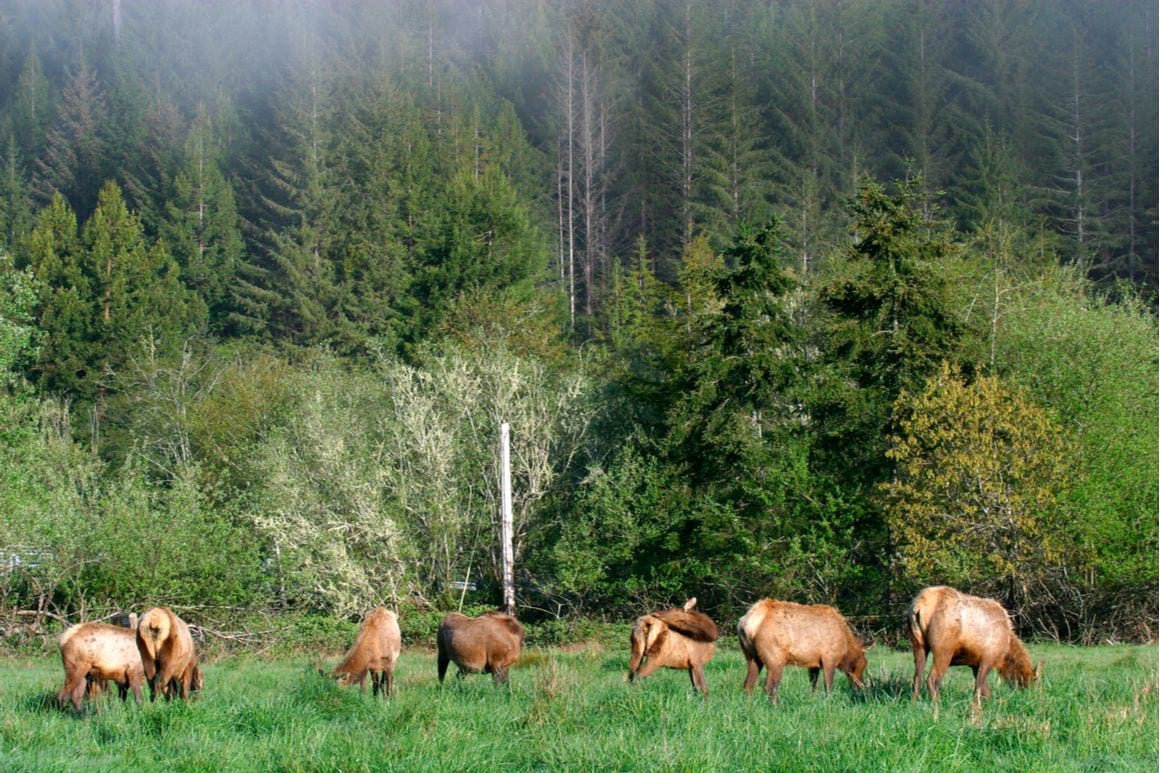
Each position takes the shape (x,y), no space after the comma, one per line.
(35,613)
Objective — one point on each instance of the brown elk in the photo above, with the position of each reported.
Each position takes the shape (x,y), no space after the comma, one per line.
(962,630)
(774,634)
(374,651)
(673,638)
(93,653)
(167,654)
(486,644)
(95,685)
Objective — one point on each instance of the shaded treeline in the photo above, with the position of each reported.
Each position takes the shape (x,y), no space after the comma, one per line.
(274,272)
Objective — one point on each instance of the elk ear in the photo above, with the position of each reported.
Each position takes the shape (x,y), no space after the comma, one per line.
(690,603)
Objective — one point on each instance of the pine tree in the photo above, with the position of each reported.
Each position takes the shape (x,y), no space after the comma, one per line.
(136,287)
(743,368)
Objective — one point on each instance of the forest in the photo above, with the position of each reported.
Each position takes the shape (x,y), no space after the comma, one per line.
(811,299)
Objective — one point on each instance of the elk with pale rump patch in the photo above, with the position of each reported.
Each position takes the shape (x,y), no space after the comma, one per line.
(673,638)
(167,653)
(774,634)
(374,651)
(93,653)
(961,630)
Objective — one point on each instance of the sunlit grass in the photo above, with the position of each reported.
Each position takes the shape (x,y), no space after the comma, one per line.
(1096,709)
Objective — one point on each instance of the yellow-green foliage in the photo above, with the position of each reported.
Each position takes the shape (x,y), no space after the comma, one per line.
(979,469)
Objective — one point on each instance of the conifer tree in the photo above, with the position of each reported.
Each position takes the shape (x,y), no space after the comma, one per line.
(33,108)
(200,225)
(75,159)
(103,292)
(15,204)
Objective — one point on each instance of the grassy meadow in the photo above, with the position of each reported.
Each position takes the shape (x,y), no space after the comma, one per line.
(1096,709)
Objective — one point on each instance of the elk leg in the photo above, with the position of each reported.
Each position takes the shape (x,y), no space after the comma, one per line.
(754,671)
(167,681)
(135,686)
(123,690)
(443,661)
(814,679)
(942,661)
(74,689)
(828,672)
(982,689)
(499,675)
(919,668)
(650,665)
(388,682)
(697,673)
(773,679)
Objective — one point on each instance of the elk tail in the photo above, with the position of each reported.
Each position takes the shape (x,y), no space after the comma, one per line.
(914,620)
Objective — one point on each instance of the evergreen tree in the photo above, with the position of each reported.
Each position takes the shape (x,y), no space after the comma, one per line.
(32,110)
(104,292)
(294,294)
(75,160)
(64,312)
(200,225)
(894,321)
(15,206)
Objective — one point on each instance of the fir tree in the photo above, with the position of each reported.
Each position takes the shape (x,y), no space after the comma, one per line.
(75,158)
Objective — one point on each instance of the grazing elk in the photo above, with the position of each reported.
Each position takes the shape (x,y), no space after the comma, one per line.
(167,653)
(673,638)
(774,634)
(374,651)
(486,644)
(961,630)
(95,685)
(93,653)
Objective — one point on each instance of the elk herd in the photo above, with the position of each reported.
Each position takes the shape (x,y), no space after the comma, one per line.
(953,628)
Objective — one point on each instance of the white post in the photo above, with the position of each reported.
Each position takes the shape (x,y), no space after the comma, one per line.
(509,572)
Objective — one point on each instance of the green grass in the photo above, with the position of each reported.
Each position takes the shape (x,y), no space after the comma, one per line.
(1096,709)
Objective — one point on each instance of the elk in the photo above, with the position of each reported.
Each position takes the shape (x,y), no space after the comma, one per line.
(375,651)
(961,630)
(673,638)
(93,653)
(775,634)
(167,654)
(486,644)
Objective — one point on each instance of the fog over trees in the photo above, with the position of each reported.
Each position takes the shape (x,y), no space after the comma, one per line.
(761,287)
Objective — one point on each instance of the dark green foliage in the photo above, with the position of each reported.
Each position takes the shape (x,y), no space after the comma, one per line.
(892,303)
(104,291)
(15,204)
(225,215)
(75,160)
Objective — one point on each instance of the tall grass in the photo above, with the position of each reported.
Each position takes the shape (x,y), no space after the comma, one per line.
(1096,709)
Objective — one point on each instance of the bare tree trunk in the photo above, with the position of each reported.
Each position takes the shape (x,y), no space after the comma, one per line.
(687,158)
(570,107)
(588,159)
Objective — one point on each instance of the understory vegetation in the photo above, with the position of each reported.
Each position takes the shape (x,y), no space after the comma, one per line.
(763,322)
